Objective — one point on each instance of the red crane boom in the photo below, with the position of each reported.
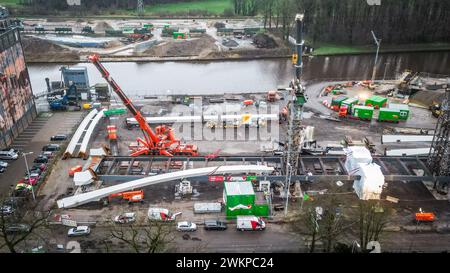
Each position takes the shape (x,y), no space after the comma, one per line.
(160,143)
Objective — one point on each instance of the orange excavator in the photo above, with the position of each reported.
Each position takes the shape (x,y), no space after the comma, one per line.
(163,142)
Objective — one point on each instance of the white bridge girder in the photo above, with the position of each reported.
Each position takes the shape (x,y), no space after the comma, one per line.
(96,195)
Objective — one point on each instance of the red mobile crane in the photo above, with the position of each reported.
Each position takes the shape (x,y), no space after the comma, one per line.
(161,143)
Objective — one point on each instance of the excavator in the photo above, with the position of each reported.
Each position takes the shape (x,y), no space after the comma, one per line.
(162,141)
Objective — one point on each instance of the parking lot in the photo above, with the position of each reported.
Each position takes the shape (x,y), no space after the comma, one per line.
(32,140)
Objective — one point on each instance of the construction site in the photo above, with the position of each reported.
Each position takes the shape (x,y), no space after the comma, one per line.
(271,162)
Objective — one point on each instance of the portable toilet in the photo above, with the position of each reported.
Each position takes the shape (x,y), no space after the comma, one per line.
(402,108)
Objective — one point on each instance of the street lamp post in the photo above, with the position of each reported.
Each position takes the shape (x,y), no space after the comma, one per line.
(377,42)
(288,183)
(28,171)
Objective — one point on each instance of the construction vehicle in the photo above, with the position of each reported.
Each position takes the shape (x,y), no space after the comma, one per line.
(130,196)
(183,188)
(163,142)
(435,109)
(59,104)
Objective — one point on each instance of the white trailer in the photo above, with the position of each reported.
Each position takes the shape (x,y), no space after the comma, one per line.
(249,222)
(405,138)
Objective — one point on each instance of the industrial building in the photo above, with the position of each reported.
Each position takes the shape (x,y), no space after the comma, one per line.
(17,107)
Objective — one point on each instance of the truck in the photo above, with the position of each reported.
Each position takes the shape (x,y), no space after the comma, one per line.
(337,101)
(389,115)
(161,214)
(376,101)
(403,108)
(346,106)
(362,112)
(249,222)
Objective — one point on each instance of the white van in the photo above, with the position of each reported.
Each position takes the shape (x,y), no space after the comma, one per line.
(250,222)
(161,214)
(8,155)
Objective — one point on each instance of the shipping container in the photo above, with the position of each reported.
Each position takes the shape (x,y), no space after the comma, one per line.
(363,112)
(376,101)
(390,115)
(403,108)
(337,101)
(239,198)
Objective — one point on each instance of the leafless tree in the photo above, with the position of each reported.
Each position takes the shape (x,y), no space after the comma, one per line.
(151,237)
(372,221)
(28,221)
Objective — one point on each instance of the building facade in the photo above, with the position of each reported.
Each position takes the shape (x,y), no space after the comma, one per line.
(17,106)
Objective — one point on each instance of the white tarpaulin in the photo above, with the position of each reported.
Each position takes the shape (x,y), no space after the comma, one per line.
(371,183)
(83,178)
(355,156)
(98,152)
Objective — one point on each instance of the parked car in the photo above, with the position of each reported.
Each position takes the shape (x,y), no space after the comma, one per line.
(8,155)
(79,231)
(17,228)
(41,166)
(6,210)
(58,137)
(3,164)
(125,218)
(215,225)
(186,226)
(2,169)
(41,159)
(51,147)
(48,154)
(11,149)
(161,214)
(33,179)
(34,170)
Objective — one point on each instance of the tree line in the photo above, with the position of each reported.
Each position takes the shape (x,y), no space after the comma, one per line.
(348,22)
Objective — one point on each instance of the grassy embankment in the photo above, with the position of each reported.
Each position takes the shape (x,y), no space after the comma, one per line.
(339,49)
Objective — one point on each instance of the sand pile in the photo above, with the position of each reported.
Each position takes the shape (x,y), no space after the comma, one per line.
(179,48)
(101,27)
(39,50)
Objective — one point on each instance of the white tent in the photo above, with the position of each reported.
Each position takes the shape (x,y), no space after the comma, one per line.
(355,156)
(371,183)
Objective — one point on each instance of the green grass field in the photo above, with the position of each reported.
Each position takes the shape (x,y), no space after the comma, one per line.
(212,6)
(336,49)
(9,3)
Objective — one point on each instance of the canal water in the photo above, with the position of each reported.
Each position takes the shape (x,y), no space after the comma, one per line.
(154,78)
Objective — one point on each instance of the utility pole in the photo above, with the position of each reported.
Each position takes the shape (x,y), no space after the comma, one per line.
(28,171)
(296,100)
(377,42)
(439,155)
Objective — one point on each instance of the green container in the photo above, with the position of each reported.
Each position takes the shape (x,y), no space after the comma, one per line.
(148,25)
(391,115)
(113,32)
(118,111)
(376,102)
(239,198)
(179,35)
(39,29)
(337,101)
(403,108)
(363,112)
(350,101)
